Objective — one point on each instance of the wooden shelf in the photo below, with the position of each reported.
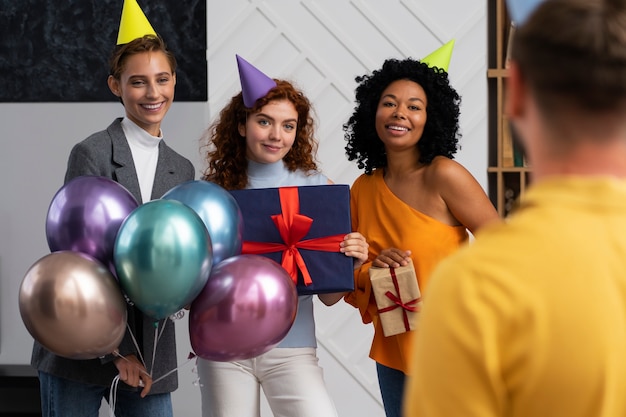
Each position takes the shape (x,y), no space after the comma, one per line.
(507,174)
(508,169)
(497,73)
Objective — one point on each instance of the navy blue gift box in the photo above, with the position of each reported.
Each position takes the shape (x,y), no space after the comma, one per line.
(300,228)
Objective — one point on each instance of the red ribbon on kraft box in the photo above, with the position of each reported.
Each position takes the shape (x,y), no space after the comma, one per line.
(381,279)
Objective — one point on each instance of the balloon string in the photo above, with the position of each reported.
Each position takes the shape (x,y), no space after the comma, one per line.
(191,357)
(157,337)
(163,328)
(113,395)
(156,340)
(132,336)
(117,353)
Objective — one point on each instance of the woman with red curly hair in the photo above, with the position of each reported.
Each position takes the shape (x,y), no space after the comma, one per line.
(265,138)
(231,148)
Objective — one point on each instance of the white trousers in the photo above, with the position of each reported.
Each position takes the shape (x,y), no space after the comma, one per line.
(291,378)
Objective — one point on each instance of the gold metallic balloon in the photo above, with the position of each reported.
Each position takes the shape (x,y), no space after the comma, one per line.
(72,305)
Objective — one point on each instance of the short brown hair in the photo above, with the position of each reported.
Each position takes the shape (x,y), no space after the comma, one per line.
(572,54)
(147,43)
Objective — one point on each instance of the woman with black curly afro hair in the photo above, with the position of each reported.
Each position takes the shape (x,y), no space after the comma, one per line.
(413,204)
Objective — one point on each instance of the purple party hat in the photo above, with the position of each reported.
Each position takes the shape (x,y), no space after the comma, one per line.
(254,84)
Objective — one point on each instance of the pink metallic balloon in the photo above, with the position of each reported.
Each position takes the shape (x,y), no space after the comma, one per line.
(246,308)
(72,305)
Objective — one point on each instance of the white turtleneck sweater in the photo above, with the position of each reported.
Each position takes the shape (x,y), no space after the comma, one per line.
(145,150)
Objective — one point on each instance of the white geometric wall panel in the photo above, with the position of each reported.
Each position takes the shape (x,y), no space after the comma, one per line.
(322,45)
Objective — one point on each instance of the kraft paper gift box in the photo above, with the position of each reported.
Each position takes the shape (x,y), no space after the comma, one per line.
(301,229)
(398,298)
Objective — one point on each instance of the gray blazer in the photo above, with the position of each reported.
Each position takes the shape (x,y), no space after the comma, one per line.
(107,154)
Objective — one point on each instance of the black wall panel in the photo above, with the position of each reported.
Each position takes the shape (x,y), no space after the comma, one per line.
(58,50)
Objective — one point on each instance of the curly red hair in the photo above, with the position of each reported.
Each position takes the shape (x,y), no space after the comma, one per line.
(226,154)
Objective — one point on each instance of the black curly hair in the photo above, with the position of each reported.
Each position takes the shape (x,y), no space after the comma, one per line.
(441,132)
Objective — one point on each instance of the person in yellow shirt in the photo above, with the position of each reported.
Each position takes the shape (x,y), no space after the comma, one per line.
(530,320)
(413,201)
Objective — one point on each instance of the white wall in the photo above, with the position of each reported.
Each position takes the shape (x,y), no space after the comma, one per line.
(36,139)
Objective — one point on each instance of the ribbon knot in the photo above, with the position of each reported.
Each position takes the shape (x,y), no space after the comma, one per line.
(398,303)
(293,227)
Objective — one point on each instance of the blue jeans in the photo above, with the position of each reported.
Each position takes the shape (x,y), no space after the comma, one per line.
(61,397)
(391,383)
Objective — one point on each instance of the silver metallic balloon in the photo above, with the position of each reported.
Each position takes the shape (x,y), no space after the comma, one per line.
(218,210)
(162,257)
(72,305)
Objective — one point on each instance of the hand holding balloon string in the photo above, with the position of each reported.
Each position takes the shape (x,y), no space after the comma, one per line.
(140,366)
(132,372)
(143,370)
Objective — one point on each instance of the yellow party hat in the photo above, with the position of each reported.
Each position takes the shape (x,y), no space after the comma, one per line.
(133,24)
(440,58)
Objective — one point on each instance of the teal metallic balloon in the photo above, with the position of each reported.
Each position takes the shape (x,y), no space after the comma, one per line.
(163,257)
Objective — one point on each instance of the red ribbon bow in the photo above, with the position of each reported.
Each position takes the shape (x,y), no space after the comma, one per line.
(397,301)
(292,227)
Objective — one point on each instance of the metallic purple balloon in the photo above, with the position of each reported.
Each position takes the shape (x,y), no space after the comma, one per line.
(72,305)
(246,308)
(85,216)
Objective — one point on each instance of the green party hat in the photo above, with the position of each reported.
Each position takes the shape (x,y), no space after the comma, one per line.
(440,58)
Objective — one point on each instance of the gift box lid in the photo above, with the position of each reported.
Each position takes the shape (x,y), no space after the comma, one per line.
(313,219)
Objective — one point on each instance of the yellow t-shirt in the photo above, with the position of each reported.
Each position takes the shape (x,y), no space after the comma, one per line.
(530,320)
(386,221)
